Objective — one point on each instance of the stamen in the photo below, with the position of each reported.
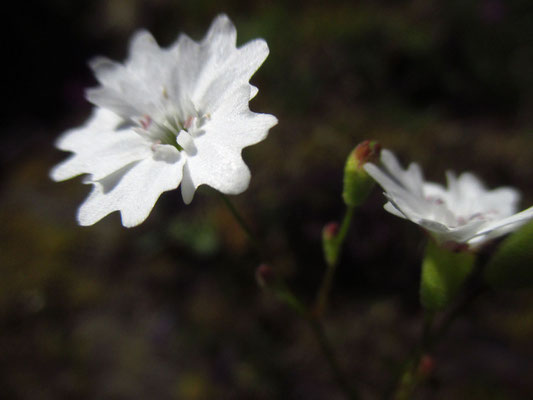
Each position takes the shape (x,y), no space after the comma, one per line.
(155,145)
(188,123)
(435,200)
(146,121)
(172,126)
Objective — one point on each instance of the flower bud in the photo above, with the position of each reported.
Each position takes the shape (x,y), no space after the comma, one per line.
(330,230)
(426,365)
(357,183)
(265,276)
(330,243)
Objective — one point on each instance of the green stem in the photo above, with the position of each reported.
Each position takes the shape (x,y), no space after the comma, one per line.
(331,267)
(284,294)
(242,223)
(287,296)
(320,335)
(410,377)
(474,292)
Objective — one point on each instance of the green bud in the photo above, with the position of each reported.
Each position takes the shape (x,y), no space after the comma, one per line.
(357,183)
(443,275)
(511,266)
(330,243)
(265,276)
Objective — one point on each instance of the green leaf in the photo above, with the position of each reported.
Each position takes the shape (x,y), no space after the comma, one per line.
(443,274)
(511,267)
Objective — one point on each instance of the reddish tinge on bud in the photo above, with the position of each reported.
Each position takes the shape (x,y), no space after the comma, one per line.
(265,276)
(426,365)
(357,183)
(330,230)
(330,243)
(367,151)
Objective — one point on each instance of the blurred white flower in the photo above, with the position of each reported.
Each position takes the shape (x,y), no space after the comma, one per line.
(165,117)
(463,215)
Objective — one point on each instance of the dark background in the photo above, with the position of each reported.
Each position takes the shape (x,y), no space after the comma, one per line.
(170,309)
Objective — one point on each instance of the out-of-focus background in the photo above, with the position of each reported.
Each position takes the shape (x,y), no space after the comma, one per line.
(170,309)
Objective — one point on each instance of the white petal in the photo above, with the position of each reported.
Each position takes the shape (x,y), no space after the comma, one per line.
(390,161)
(133,194)
(105,70)
(502,202)
(135,88)
(514,221)
(443,233)
(187,185)
(469,185)
(382,178)
(186,142)
(435,191)
(409,203)
(220,167)
(411,178)
(222,35)
(253,91)
(166,152)
(468,196)
(143,48)
(218,81)
(191,59)
(100,122)
(203,64)
(393,210)
(410,206)
(99,149)
(210,71)
(116,101)
(234,125)
(465,193)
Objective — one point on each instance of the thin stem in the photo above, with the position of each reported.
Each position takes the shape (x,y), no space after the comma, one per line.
(329,274)
(287,296)
(410,377)
(240,220)
(284,294)
(324,344)
(345,226)
(452,316)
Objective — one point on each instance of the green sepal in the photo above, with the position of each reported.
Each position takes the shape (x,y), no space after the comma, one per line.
(443,274)
(511,266)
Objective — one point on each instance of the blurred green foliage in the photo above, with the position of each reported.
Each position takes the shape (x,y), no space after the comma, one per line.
(443,275)
(511,267)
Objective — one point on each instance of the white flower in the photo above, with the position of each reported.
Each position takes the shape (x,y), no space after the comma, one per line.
(165,117)
(463,215)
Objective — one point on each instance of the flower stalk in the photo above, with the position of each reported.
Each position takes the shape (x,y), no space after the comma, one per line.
(332,243)
(272,282)
(415,370)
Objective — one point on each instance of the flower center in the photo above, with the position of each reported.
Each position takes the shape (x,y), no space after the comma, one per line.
(170,129)
(452,217)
